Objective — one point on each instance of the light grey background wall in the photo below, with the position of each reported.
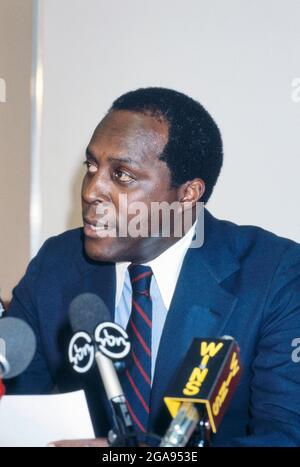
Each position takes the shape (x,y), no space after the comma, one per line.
(15,142)
(238,57)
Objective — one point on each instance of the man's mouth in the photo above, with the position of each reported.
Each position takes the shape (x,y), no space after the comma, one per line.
(95,228)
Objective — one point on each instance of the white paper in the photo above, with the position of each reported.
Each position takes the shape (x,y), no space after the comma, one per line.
(35,421)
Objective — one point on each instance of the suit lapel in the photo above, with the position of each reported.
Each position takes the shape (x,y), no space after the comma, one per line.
(200,308)
(90,277)
(99,279)
(87,276)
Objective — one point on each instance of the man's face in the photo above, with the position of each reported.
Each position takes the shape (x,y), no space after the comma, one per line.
(123,159)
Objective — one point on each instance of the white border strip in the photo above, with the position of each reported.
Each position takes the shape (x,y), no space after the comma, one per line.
(37,91)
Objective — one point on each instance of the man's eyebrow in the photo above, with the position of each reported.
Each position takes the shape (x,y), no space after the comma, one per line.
(121,159)
(124,159)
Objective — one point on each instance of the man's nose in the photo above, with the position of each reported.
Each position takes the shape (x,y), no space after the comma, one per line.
(96,189)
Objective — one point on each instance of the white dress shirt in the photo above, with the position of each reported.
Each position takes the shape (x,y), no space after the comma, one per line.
(166,269)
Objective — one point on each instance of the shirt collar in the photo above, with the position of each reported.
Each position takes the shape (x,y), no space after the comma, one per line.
(166,268)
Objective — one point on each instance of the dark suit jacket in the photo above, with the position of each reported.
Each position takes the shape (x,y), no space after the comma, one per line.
(243,282)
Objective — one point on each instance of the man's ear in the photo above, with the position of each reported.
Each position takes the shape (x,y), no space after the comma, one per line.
(192,191)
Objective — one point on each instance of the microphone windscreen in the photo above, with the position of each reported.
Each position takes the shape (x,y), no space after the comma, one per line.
(18,344)
(87,311)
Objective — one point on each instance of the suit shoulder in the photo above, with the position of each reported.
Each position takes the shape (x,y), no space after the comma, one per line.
(67,242)
(249,238)
(60,250)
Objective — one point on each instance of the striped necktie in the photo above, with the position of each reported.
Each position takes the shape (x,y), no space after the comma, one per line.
(137,376)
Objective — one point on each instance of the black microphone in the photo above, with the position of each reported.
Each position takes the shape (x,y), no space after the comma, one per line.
(201,391)
(97,339)
(17,347)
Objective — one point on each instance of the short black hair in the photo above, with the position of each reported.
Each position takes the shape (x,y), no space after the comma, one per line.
(194,148)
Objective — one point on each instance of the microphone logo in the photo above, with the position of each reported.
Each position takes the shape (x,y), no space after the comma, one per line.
(112,340)
(225,386)
(200,372)
(81,352)
(2,347)
(207,378)
(2,311)
(4,365)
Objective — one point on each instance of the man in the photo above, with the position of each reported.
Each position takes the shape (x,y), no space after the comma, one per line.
(158,145)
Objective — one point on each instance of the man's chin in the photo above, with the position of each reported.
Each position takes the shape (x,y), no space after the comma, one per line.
(102,249)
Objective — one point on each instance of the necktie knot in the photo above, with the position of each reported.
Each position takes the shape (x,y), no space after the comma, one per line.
(140,277)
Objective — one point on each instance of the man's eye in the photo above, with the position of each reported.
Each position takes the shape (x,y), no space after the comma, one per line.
(90,167)
(122,176)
